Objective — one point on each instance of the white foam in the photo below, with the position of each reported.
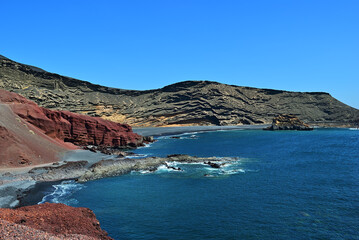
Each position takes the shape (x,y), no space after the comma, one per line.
(146,145)
(186,135)
(233,171)
(62,192)
(141,172)
(138,156)
(163,168)
(354,129)
(212,169)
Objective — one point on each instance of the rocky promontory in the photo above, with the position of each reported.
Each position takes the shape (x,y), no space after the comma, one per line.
(50,221)
(108,168)
(288,122)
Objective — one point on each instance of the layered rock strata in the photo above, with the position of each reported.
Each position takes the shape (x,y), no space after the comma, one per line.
(180,104)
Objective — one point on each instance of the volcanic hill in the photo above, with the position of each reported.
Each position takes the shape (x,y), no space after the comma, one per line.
(183,103)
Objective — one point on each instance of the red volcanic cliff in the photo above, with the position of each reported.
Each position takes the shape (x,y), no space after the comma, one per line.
(31,135)
(71,127)
(23,144)
(54,218)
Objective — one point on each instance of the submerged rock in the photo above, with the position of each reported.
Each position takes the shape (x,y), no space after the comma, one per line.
(288,122)
(173,168)
(213,165)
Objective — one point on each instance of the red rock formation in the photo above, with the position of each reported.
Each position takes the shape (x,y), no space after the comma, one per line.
(57,219)
(22,144)
(71,127)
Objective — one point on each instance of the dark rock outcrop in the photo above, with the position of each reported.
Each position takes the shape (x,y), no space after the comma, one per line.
(213,165)
(183,103)
(288,122)
(111,167)
(57,219)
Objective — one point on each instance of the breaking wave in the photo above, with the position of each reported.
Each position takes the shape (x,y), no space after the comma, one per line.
(227,166)
(62,192)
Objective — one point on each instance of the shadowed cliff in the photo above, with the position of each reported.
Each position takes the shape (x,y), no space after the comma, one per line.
(183,103)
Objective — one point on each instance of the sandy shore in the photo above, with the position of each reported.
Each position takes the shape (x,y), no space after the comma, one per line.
(163,131)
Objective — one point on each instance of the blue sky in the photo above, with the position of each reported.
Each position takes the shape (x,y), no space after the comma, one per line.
(290,45)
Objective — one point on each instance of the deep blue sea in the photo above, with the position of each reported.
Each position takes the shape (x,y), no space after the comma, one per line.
(282,185)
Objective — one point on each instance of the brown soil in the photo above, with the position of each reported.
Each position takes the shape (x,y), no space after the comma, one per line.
(53,219)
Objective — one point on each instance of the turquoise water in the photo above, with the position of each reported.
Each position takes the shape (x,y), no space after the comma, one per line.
(282,185)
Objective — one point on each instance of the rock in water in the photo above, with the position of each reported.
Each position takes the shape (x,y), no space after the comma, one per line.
(288,122)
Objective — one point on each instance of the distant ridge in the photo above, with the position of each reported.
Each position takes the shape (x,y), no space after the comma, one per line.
(182,103)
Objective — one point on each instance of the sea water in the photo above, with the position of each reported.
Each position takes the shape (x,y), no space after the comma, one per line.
(278,185)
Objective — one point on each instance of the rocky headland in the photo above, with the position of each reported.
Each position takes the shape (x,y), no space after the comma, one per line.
(180,104)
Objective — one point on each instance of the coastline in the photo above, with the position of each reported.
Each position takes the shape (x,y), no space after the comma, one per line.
(18,183)
(25,190)
(18,188)
(164,131)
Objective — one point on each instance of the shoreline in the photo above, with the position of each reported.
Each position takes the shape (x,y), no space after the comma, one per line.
(19,188)
(37,193)
(165,131)
(18,183)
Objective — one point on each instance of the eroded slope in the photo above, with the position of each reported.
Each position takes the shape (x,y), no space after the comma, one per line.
(183,103)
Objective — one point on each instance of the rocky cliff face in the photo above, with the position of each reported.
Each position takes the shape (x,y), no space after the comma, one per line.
(71,127)
(30,134)
(50,221)
(184,103)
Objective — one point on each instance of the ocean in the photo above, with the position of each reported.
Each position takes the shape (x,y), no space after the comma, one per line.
(278,185)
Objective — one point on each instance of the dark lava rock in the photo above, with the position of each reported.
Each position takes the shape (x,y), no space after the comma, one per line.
(213,165)
(288,122)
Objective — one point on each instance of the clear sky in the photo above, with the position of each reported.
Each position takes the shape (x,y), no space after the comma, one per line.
(296,45)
